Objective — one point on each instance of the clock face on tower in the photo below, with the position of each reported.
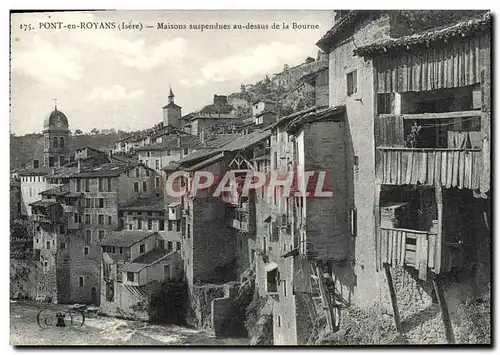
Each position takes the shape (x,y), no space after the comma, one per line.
(59,123)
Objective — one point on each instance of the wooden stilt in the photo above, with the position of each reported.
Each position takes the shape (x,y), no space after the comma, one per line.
(443,307)
(324,297)
(394,301)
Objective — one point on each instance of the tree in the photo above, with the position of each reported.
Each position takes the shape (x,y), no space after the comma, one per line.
(94,131)
(78,132)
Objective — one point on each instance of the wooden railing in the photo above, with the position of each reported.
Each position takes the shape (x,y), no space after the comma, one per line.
(448,167)
(406,247)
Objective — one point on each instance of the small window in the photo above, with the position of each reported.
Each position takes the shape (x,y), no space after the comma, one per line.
(161,244)
(139,224)
(109,185)
(101,234)
(62,246)
(86,251)
(137,173)
(169,153)
(136,186)
(100,219)
(88,236)
(352,82)
(161,225)
(279,321)
(178,225)
(178,245)
(48,244)
(130,276)
(142,248)
(170,246)
(170,225)
(87,218)
(186,150)
(110,220)
(130,227)
(157,181)
(80,281)
(157,166)
(61,229)
(121,250)
(144,186)
(150,224)
(101,184)
(113,250)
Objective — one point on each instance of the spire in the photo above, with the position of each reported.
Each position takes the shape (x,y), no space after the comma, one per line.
(55,104)
(171,96)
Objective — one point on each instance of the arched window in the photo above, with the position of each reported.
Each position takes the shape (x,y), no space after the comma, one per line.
(61,142)
(56,142)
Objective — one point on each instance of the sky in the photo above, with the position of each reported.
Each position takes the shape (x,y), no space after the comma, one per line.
(110,78)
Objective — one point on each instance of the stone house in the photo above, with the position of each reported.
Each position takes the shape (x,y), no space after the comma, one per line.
(133,264)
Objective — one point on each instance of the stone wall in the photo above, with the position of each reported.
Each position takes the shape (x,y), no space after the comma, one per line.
(23,275)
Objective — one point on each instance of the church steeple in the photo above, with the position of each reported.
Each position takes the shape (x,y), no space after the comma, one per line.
(171,97)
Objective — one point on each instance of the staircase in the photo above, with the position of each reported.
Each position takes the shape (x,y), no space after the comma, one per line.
(320,293)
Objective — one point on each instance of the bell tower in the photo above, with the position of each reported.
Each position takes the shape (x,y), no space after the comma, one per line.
(56,139)
(171,112)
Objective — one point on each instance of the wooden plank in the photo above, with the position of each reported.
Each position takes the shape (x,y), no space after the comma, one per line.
(430,168)
(437,171)
(461,170)
(395,250)
(326,303)
(423,168)
(394,301)
(412,247)
(407,230)
(424,252)
(444,168)
(456,165)
(403,249)
(449,168)
(376,215)
(409,168)
(443,307)
(432,250)
(417,252)
(439,236)
(391,246)
(410,258)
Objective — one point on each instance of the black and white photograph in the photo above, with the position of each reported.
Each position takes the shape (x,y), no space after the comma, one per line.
(250,178)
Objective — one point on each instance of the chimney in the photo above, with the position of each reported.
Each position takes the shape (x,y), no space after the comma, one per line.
(79,166)
(202,136)
(35,164)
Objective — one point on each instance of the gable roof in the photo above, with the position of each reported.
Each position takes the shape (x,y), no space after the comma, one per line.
(186,141)
(113,169)
(126,238)
(336,113)
(143,204)
(463,28)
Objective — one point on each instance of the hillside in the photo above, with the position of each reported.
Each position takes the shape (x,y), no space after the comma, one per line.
(24,148)
(284,88)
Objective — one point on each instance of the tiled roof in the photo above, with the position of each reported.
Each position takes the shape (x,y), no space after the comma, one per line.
(345,21)
(286,119)
(247,141)
(43,203)
(143,204)
(172,143)
(125,238)
(57,191)
(64,171)
(41,171)
(462,28)
(106,170)
(149,258)
(205,162)
(336,112)
(212,146)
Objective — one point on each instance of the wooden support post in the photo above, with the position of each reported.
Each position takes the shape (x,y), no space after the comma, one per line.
(439,237)
(394,301)
(443,307)
(376,215)
(324,297)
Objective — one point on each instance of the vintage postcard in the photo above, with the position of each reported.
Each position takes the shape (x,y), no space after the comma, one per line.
(255,178)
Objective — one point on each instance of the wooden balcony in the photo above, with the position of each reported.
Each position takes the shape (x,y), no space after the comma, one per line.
(242,226)
(449,167)
(41,218)
(407,247)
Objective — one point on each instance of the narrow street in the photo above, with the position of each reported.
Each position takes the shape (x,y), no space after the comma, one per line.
(24,330)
